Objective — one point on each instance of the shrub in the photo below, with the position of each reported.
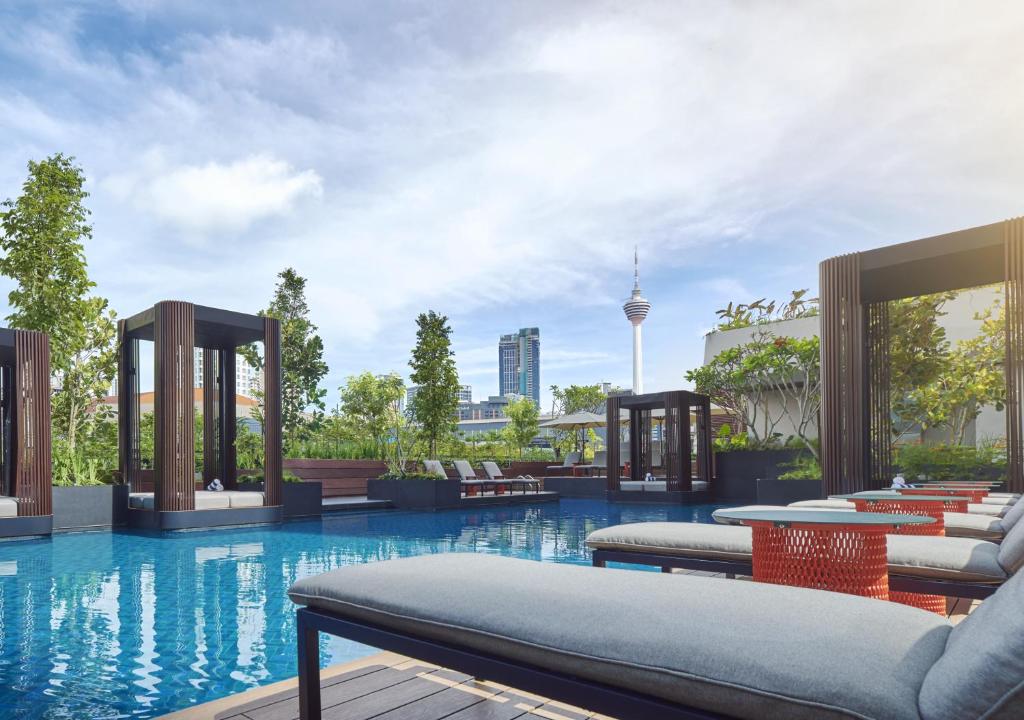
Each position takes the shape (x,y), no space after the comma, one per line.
(288,476)
(953,462)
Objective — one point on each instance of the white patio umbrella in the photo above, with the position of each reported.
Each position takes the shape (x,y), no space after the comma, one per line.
(577,421)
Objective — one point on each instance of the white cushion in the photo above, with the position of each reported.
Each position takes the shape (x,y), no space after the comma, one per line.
(241,499)
(1000,500)
(209,500)
(698,485)
(631,485)
(988,509)
(141,501)
(8,507)
(829,504)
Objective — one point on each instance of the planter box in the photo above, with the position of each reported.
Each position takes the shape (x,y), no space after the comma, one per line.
(578,487)
(298,499)
(415,494)
(784,492)
(90,507)
(737,472)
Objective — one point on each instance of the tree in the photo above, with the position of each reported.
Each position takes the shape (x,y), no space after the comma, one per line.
(43,238)
(302,357)
(433,371)
(569,400)
(524,423)
(367,408)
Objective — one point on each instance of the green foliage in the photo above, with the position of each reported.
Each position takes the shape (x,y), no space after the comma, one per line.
(726,440)
(368,408)
(574,399)
(248,447)
(391,475)
(43,238)
(758,312)
(953,462)
(433,370)
(302,358)
(524,423)
(287,476)
(805,467)
(742,379)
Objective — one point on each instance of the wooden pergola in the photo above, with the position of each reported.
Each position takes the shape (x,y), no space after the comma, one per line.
(678,446)
(176,329)
(856,422)
(26,470)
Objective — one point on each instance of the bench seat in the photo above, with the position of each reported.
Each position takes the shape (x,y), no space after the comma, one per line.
(971,525)
(8,507)
(777,651)
(206,500)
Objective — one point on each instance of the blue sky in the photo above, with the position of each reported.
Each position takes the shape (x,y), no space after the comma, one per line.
(497,162)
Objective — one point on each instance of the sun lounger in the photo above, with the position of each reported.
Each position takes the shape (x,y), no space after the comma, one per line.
(523,481)
(570,460)
(698,648)
(600,462)
(955,567)
(470,481)
(434,467)
(972,508)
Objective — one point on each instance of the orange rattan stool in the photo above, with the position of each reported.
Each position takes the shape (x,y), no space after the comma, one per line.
(842,558)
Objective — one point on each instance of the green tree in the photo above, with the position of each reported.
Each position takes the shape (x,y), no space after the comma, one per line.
(433,371)
(367,408)
(43,238)
(569,400)
(302,357)
(524,423)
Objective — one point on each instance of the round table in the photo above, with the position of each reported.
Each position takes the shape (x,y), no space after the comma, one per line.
(974,495)
(826,550)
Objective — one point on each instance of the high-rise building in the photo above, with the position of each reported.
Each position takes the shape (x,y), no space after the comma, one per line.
(248,380)
(636,309)
(519,364)
(465,394)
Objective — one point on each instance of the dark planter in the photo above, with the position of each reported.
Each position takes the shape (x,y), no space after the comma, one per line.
(415,494)
(737,472)
(784,492)
(299,499)
(90,507)
(578,487)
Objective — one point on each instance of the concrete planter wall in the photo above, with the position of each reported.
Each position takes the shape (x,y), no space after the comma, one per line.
(90,507)
(299,499)
(578,487)
(783,492)
(415,494)
(737,472)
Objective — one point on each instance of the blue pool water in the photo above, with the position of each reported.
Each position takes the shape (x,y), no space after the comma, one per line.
(110,625)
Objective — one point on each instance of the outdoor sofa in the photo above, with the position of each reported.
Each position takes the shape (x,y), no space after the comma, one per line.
(645,645)
(524,482)
(206,500)
(955,567)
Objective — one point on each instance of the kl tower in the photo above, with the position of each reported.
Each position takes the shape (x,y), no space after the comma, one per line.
(636,309)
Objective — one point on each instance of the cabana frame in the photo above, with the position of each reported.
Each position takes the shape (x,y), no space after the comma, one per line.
(176,329)
(855,429)
(26,473)
(678,446)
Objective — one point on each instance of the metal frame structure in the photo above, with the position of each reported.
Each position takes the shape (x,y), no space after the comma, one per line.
(677,443)
(26,470)
(176,329)
(898,583)
(855,429)
(563,687)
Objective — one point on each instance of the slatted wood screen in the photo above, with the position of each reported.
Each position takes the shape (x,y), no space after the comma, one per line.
(272,441)
(1014,370)
(614,458)
(174,432)
(32,463)
(879,403)
(843,400)
(211,416)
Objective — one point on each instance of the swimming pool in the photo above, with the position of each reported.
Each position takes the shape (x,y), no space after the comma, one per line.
(110,625)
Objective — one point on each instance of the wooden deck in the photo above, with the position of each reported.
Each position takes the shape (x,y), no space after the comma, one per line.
(387,686)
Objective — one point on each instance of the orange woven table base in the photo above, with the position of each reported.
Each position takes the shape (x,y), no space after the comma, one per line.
(973,494)
(928,508)
(932,603)
(843,558)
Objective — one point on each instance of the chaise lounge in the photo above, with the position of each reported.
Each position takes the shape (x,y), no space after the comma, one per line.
(570,461)
(701,647)
(471,484)
(524,482)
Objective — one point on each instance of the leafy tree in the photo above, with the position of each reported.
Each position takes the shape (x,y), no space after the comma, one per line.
(759,312)
(569,400)
(433,370)
(367,408)
(524,423)
(302,357)
(43,238)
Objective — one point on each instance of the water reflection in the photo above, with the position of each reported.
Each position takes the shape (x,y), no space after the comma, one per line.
(107,625)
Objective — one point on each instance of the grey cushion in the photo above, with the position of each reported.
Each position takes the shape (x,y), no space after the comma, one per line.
(1012,516)
(824,504)
(698,485)
(242,498)
(743,649)
(570,460)
(210,500)
(994,500)
(8,507)
(1011,552)
(631,485)
(983,527)
(981,673)
(492,470)
(434,467)
(947,558)
(682,538)
(983,509)
(141,501)
(465,470)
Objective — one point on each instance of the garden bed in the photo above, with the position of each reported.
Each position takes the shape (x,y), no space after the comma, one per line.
(90,507)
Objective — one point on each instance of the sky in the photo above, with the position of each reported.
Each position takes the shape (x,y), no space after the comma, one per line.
(499,161)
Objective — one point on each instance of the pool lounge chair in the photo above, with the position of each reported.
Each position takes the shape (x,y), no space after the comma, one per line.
(954,567)
(470,481)
(570,461)
(979,509)
(700,648)
(600,462)
(523,481)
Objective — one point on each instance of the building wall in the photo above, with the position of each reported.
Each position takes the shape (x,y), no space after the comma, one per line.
(248,380)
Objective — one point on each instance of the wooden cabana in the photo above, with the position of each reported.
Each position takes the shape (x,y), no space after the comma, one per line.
(176,329)
(856,421)
(678,470)
(26,483)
